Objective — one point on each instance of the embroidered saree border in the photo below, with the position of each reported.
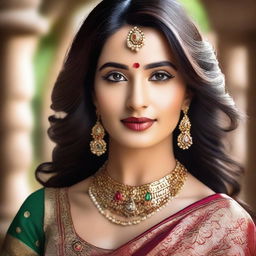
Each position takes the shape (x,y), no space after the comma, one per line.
(50,225)
(172,220)
(219,229)
(144,242)
(15,247)
(194,225)
(61,239)
(73,244)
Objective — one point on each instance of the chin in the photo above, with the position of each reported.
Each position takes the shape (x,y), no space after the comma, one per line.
(136,142)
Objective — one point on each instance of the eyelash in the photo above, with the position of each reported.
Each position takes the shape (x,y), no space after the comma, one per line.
(107,77)
(167,75)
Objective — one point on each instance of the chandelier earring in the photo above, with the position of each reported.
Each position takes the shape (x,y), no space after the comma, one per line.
(98,145)
(185,138)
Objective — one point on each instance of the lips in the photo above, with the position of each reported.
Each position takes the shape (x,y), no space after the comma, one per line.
(137,119)
(138,124)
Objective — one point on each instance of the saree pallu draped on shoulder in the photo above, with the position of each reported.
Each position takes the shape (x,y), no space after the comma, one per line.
(216,225)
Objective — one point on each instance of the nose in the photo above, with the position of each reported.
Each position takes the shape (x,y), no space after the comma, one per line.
(137,97)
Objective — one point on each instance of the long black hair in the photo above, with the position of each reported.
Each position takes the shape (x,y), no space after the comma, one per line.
(207,160)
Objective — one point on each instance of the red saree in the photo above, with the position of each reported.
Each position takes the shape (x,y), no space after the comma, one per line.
(216,225)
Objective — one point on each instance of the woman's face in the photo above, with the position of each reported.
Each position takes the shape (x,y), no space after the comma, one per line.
(139,84)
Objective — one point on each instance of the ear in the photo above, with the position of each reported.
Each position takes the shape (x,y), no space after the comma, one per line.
(94,100)
(187,100)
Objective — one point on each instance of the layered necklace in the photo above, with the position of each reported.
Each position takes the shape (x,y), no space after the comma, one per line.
(129,205)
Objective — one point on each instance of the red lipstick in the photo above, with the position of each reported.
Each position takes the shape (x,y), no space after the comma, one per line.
(138,124)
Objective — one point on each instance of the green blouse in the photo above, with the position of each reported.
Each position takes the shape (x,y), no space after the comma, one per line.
(26,228)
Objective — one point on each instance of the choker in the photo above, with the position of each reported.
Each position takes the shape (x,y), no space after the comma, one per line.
(129,205)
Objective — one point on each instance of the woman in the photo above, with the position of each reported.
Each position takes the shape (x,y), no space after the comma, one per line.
(139,166)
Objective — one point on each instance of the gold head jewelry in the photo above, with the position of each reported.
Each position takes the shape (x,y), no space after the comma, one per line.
(135,39)
(185,138)
(98,145)
(129,205)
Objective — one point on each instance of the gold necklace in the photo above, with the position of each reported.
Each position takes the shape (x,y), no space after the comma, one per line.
(129,205)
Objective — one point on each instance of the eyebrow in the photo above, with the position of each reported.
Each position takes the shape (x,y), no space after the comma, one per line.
(148,66)
(160,64)
(113,65)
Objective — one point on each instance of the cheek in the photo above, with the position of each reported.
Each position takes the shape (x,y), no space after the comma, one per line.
(109,100)
(169,106)
(170,100)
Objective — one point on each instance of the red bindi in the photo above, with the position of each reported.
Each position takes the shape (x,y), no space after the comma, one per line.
(136,65)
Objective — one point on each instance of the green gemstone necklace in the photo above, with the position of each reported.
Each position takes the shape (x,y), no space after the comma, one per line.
(128,205)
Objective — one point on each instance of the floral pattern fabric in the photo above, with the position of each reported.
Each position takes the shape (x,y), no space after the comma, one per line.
(216,225)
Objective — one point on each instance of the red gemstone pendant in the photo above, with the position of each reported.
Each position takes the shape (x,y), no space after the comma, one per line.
(118,196)
(77,246)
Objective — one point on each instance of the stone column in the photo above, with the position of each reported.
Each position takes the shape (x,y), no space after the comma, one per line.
(234,22)
(250,180)
(20,26)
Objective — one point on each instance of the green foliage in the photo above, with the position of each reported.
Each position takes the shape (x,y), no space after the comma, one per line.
(42,63)
(196,10)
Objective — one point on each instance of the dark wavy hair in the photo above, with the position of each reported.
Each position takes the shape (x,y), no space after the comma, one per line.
(207,159)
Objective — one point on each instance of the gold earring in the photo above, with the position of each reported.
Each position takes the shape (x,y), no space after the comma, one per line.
(98,145)
(185,138)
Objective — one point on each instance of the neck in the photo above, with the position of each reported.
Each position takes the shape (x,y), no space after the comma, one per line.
(136,167)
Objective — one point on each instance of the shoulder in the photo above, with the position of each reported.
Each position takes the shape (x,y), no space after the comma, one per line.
(236,210)
(232,209)
(216,224)
(35,197)
(229,224)
(224,207)
(82,186)
(239,220)
(79,193)
(27,225)
(32,208)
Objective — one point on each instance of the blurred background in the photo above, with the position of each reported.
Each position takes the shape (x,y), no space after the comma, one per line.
(34,38)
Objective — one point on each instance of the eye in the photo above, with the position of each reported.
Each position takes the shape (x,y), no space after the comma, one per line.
(161,76)
(114,77)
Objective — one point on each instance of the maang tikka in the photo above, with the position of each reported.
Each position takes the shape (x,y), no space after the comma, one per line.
(98,145)
(135,39)
(185,138)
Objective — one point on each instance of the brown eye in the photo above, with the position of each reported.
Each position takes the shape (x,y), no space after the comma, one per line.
(161,76)
(115,77)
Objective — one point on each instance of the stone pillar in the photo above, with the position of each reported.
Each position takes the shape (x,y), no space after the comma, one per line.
(20,26)
(234,22)
(250,180)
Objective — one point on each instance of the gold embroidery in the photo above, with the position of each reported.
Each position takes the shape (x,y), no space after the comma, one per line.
(77,246)
(37,243)
(61,238)
(18,230)
(216,227)
(50,224)
(26,214)
(14,247)
(210,229)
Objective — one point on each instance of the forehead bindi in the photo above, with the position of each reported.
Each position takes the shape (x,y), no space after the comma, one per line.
(136,65)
